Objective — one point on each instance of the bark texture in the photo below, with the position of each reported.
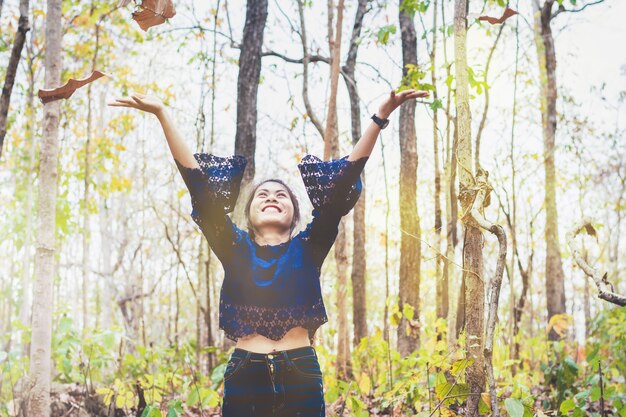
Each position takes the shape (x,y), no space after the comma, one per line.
(359,266)
(410,243)
(473,282)
(247,90)
(16,52)
(38,403)
(544,41)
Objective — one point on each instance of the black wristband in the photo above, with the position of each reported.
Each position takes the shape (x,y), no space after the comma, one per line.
(382,123)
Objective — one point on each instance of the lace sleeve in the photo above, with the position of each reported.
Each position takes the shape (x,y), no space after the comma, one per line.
(333,188)
(214,189)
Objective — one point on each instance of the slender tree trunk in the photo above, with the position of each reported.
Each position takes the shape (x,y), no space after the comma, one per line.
(247,89)
(331,135)
(86,183)
(331,149)
(473,240)
(449,189)
(359,267)
(442,282)
(86,228)
(410,243)
(483,119)
(107,268)
(25,307)
(40,363)
(343,343)
(305,72)
(587,305)
(554,276)
(16,53)
(209,305)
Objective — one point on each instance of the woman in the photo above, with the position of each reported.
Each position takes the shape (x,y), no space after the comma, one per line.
(271,302)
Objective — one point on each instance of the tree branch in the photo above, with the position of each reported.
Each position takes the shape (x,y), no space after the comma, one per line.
(605,289)
(562,8)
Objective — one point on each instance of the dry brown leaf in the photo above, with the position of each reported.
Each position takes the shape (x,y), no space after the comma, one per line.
(153,12)
(508,12)
(65,91)
(591,231)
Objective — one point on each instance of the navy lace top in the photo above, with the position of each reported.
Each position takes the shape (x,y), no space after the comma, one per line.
(269,289)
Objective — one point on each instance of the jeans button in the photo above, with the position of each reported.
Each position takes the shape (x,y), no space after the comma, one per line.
(270,356)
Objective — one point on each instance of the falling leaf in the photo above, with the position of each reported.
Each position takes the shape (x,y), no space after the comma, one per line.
(590,230)
(508,12)
(52,94)
(152,12)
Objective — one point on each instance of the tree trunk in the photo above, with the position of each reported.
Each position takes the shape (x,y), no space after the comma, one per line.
(107,268)
(442,282)
(25,306)
(343,342)
(305,72)
(16,53)
(331,149)
(554,276)
(410,243)
(359,266)
(40,363)
(247,90)
(473,241)
(209,305)
(449,190)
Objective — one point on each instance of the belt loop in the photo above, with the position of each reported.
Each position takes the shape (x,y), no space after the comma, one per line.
(287,360)
(245,360)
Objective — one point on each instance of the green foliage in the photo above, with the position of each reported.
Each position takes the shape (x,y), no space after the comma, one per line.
(169,380)
(413,79)
(607,355)
(474,82)
(514,407)
(410,7)
(384,33)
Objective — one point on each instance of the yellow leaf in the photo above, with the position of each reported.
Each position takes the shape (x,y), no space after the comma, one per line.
(408,311)
(365,384)
(486,399)
(560,323)
(446,412)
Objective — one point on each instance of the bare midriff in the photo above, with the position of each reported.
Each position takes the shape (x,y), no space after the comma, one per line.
(294,338)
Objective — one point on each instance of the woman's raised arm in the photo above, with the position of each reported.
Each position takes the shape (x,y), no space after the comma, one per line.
(213,182)
(179,149)
(366,143)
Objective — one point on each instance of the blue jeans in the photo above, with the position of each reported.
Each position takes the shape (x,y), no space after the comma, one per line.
(286,383)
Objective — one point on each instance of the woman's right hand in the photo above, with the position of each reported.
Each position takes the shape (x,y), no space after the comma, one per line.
(142,102)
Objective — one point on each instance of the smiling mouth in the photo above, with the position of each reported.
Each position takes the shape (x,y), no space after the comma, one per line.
(271,206)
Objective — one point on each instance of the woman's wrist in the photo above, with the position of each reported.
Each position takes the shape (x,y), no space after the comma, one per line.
(161,113)
(383,114)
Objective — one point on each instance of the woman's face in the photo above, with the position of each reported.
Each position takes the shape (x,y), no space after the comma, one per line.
(271,206)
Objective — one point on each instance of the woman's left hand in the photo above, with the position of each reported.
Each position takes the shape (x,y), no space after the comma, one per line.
(394,100)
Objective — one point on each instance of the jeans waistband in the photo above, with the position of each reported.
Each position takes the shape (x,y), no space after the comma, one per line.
(278,355)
